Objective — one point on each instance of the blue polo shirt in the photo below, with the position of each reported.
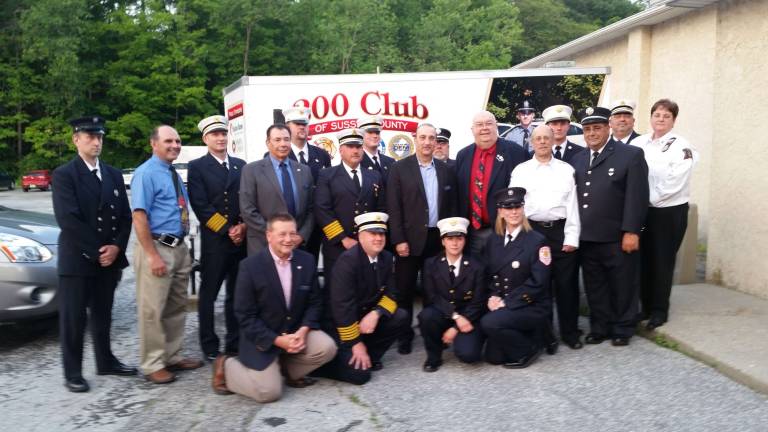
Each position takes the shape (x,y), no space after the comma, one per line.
(152,191)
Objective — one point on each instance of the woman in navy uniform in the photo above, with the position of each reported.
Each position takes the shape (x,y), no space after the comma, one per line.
(518,269)
(455,293)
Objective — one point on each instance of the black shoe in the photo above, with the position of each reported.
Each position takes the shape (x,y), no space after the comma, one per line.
(594,339)
(620,341)
(376,366)
(211,357)
(77,385)
(523,362)
(574,342)
(404,347)
(430,366)
(654,323)
(119,369)
(551,347)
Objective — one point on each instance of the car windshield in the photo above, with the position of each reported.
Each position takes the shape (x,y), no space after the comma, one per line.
(36,174)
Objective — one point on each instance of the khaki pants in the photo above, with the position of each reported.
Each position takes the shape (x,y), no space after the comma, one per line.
(267,385)
(161,303)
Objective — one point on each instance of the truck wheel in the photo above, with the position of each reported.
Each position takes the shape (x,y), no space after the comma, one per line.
(26,189)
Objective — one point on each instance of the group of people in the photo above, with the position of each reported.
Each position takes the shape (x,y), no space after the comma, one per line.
(497,236)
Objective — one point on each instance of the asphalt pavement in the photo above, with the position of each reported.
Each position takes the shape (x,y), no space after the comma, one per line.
(643,387)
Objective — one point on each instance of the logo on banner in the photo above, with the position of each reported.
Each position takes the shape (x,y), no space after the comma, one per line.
(400,146)
(326,144)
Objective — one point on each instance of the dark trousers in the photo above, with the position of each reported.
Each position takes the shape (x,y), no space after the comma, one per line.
(514,334)
(565,278)
(612,282)
(477,239)
(468,347)
(664,231)
(406,275)
(377,343)
(78,296)
(218,267)
(312,244)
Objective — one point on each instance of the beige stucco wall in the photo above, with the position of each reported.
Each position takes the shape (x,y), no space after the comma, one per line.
(738,234)
(714,63)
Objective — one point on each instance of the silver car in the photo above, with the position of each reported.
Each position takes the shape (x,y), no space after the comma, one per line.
(28,276)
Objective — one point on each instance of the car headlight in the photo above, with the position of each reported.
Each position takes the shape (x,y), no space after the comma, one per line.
(22,249)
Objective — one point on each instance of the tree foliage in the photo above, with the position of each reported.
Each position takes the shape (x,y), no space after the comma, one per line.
(140,63)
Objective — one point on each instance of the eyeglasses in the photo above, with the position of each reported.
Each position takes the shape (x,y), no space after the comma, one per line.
(485,124)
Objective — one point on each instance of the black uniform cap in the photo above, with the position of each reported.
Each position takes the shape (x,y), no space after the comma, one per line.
(91,124)
(510,197)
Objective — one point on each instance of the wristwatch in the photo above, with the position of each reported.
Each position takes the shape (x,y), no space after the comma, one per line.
(455,316)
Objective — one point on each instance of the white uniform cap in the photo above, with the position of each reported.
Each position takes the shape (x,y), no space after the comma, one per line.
(373,221)
(370,123)
(212,123)
(296,115)
(557,112)
(350,137)
(623,106)
(453,226)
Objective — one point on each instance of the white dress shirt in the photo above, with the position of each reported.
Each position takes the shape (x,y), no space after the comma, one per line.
(455,264)
(550,194)
(296,151)
(513,234)
(670,162)
(349,173)
(222,161)
(91,168)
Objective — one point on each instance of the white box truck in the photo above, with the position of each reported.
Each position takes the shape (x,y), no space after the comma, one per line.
(445,99)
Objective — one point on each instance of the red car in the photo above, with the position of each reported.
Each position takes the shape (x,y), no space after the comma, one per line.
(36,179)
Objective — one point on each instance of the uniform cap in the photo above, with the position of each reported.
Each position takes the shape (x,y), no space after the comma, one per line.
(370,123)
(557,112)
(373,221)
(297,115)
(453,226)
(623,106)
(350,137)
(526,107)
(510,197)
(212,123)
(90,124)
(443,135)
(594,115)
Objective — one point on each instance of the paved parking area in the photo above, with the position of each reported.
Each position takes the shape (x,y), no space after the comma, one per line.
(644,387)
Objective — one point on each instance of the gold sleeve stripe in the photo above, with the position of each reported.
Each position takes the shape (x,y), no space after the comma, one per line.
(388,304)
(216,222)
(333,229)
(349,333)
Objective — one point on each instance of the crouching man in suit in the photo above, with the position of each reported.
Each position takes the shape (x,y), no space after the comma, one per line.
(278,305)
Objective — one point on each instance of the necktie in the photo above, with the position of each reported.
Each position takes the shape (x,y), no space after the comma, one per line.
(526,144)
(224,164)
(356,180)
(290,202)
(451,273)
(376,163)
(95,173)
(477,192)
(594,158)
(180,201)
(509,240)
(301,157)
(558,155)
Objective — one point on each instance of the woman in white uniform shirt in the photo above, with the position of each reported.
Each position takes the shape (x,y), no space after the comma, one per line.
(670,159)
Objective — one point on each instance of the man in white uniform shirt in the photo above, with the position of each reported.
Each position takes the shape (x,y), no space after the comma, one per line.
(551,206)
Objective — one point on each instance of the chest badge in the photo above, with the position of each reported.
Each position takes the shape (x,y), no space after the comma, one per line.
(515,264)
(370,167)
(235,166)
(298,267)
(500,158)
(116,192)
(610,171)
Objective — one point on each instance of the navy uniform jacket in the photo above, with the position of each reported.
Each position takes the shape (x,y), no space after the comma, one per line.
(467,295)
(317,159)
(520,273)
(632,136)
(571,149)
(508,155)
(357,290)
(384,160)
(337,202)
(213,194)
(90,216)
(613,193)
(260,305)
(407,202)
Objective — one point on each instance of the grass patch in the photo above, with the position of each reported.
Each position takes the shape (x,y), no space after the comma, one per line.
(666,343)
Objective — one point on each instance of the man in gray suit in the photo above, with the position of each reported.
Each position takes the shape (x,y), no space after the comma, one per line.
(275,184)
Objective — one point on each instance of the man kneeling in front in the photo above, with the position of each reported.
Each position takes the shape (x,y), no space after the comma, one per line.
(278,305)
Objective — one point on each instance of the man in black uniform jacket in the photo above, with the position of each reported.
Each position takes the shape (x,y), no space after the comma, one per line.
(443,147)
(455,294)
(366,317)
(92,210)
(343,192)
(622,121)
(420,191)
(373,159)
(214,186)
(612,184)
(558,118)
